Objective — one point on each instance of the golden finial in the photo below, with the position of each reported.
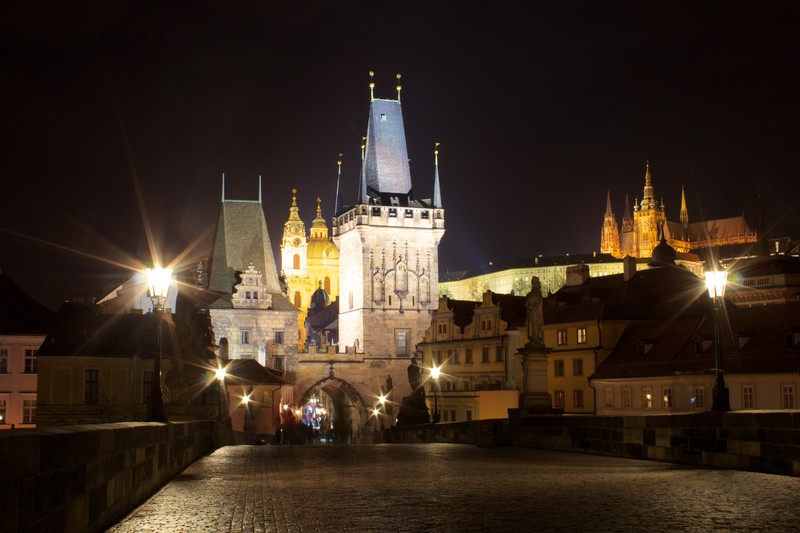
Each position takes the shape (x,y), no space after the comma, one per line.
(371,85)
(398,87)
(319,207)
(294,197)
(436,148)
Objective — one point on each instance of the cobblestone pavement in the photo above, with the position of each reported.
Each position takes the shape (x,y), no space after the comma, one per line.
(446,487)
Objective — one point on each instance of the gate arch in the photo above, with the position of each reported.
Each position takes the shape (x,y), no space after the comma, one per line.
(350,409)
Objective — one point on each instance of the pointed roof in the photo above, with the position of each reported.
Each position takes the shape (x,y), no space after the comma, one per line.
(648,200)
(386,158)
(241,239)
(609,212)
(684,211)
(294,225)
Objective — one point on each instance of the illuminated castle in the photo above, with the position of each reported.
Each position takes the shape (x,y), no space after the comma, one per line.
(641,231)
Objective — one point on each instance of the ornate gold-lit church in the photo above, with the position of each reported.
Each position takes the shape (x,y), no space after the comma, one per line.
(641,230)
(310,263)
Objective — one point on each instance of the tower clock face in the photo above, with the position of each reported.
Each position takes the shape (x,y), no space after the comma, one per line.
(296,242)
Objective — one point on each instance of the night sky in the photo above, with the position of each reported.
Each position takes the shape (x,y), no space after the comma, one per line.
(540,108)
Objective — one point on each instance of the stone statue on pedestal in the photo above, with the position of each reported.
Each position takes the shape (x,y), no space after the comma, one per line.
(534,319)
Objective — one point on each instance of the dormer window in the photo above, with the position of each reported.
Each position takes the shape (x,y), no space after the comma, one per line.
(393,212)
(409,213)
(425,215)
(376,211)
(383,117)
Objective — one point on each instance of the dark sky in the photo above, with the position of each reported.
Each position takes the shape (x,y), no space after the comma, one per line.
(541,107)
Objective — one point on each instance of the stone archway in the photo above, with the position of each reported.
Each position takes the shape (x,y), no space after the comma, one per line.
(348,410)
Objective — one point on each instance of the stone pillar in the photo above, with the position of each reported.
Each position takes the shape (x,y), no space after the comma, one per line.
(534,395)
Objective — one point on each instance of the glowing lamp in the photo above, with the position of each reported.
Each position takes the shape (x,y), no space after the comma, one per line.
(715,283)
(220,373)
(435,371)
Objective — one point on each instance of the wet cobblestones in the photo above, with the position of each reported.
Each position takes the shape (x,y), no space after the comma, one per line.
(443,487)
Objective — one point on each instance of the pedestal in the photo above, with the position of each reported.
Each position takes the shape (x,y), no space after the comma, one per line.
(534,398)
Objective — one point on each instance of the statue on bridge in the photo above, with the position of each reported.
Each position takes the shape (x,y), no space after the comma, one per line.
(414,410)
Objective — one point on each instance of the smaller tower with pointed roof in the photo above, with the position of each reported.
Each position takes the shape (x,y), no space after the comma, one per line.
(609,239)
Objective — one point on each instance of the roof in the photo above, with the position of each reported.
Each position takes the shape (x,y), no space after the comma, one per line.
(721,228)
(250,372)
(662,348)
(242,239)
(20,314)
(386,166)
(530,262)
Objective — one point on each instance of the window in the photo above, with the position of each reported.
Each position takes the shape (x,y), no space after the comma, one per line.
(147,386)
(327,284)
(30,361)
(393,212)
(468,355)
(446,415)
(608,397)
(666,397)
(558,368)
(485,352)
(698,400)
(647,398)
(3,417)
(436,357)
(401,342)
(626,398)
(452,415)
(558,399)
(409,213)
(297,299)
(748,397)
(91,386)
(278,337)
(577,367)
(581,335)
(3,360)
(469,415)
(467,384)
(498,354)
(454,356)
(279,364)
(787,396)
(245,336)
(577,398)
(561,337)
(442,328)
(29,411)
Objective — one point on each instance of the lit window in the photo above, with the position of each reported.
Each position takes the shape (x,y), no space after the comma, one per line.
(581,335)
(558,368)
(3,416)
(666,397)
(561,336)
(748,397)
(647,398)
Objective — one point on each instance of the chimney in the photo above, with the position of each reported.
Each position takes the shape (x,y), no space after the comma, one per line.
(628,267)
(577,274)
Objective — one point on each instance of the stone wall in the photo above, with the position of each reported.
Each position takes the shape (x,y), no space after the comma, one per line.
(81,478)
(756,441)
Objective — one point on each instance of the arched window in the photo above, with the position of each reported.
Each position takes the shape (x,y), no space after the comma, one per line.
(296,261)
(297,299)
(327,284)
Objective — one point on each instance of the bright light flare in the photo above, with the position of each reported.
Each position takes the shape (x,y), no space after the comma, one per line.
(220,373)
(435,372)
(382,399)
(716,282)
(158,281)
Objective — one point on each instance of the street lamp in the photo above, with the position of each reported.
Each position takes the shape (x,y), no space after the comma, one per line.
(435,372)
(715,282)
(158,280)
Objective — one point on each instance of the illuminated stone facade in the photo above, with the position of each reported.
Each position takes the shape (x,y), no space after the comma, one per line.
(642,232)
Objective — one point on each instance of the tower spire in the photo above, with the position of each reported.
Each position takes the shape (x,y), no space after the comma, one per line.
(608,204)
(647,198)
(437,192)
(371,86)
(223,186)
(259,189)
(684,211)
(338,204)
(362,192)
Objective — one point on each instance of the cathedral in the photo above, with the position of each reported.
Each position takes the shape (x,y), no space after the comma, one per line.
(641,230)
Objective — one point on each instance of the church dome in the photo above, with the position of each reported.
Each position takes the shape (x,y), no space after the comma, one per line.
(663,254)
(320,299)
(322,250)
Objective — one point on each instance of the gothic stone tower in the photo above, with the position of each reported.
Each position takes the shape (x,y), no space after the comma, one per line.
(609,238)
(388,246)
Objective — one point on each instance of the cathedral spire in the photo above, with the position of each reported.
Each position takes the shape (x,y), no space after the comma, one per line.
(609,240)
(437,193)
(627,216)
(608,204)
(647,198)
(684,211)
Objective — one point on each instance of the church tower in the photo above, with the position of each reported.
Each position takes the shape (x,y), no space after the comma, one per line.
(323,257)
(388,245)
(251,319)
(684,211)
(609,239)
(294,264)
(648,218)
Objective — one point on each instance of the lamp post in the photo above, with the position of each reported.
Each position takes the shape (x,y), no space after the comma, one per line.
(222,395)
(715,282)
(382,409)
(435,372)
(158,280)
